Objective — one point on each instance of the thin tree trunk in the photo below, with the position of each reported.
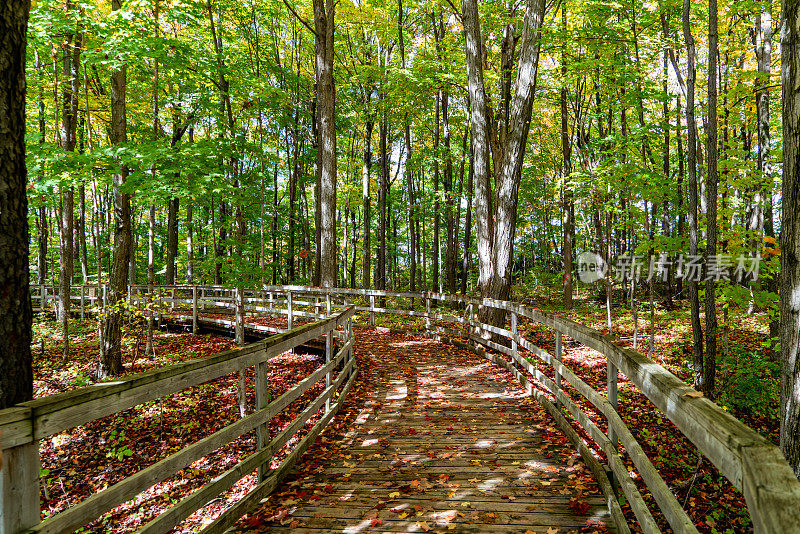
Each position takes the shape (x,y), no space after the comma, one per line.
(568,207)
(468,221)
(709,364)
(70,56)
(691,160)
(790,238)
(151,258)
(436,207)
(111,346)
(366,252)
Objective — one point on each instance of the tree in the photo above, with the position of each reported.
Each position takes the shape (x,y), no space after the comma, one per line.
(790,237)
(496,247)
(709,363)
(70,55)
(110,363)
(324,11)
(691,158)
(16,315)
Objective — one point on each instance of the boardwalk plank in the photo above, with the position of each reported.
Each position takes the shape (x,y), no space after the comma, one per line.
(445,442)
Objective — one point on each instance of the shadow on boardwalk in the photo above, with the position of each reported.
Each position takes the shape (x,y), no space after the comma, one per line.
(435,439)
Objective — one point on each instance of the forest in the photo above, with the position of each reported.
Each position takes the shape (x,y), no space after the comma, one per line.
(630,164)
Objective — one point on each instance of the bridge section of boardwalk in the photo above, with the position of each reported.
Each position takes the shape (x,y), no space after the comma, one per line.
(463,436)
(443,441)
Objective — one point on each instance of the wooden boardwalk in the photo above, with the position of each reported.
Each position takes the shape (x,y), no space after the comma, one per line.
(441,441)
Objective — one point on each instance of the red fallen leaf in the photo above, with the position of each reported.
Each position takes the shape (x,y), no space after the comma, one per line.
(412,431)
(375,522)
(254,522)
(579,507)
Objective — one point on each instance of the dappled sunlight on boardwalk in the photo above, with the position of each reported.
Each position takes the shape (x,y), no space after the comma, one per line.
(443,441)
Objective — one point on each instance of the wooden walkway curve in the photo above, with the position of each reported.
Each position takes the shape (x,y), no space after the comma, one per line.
(440,440)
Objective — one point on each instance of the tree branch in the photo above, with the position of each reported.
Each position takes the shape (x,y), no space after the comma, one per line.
(298,17)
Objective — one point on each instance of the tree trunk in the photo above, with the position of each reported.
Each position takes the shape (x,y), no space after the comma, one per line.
(16,315)
(790,237)
(70,57)
(468,221)
(449,200)
(480,137)
(507,184)
(151,259)
(709,364)
(43,233)
(380,277)
(568,207)
(111,345)
(190,244)
(366,252)
(324,12)
(691,161)
(435,271)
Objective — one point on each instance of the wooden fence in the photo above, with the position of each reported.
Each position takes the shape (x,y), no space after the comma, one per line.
(750,462)
(24,425)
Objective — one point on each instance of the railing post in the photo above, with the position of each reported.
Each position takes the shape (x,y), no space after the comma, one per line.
(83,302)
(195,326)
(289,314)
(372,310)
(43,299)
(427,313)
(559,350)
(514,347)
(328,359)
(262,401)
(611,393)
(19,488)
(239,315)
(203,298)
(327,304)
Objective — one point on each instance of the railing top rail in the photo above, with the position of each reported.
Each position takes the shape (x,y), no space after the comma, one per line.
(42,417)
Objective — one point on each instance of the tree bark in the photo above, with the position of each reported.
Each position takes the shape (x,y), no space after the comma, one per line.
(691,163)
(507,184)
(790,237)
(568,207)
(324,12)
(437,222)
(468,221)
(110,363)
(480,137)
(16,315)
(366,252)
(70,56)
(709,364)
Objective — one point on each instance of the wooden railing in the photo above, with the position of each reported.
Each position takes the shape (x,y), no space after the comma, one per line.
(750,462)
(24,425)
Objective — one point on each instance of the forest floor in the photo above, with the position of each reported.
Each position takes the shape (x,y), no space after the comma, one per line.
(87,459)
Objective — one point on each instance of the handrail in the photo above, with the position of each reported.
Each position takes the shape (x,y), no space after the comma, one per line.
(23,425)
(748,460)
